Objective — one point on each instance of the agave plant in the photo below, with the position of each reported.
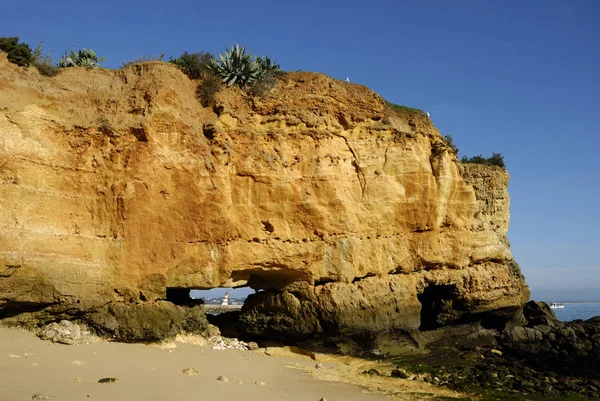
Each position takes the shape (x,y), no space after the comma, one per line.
(236,67)
(84,57)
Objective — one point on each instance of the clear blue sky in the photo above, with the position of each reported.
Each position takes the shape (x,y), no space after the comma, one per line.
(517,77)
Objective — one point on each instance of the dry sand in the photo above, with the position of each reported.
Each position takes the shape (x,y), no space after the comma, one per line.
(30,366)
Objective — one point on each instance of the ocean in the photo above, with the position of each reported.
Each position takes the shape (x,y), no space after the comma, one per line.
(577,310)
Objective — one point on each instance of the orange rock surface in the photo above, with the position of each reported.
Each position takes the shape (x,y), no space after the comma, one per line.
(117,184)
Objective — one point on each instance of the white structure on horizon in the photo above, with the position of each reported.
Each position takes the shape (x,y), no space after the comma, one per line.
(347,79)
(225,300)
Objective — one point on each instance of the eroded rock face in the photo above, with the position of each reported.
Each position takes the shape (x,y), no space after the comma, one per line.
(116,185)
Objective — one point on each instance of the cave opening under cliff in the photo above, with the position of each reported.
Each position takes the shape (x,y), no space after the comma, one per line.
(223,305)
(439,306)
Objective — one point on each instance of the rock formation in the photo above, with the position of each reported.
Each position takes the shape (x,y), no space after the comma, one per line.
(354,219)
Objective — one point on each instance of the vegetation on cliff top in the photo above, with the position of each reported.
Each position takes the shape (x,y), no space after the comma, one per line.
(81,58)
(405,109)
(254,74)
(495,160)
(18,53)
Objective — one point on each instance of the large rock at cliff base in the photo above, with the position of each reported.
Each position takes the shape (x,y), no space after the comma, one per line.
(151,321)
(539,313)
(117,187)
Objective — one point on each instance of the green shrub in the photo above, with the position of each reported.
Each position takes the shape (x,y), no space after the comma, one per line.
(265,83)
(208,88)
(82,58)
(405,109)
(450,143)
(18,53)
(47,70)
(194,65)
(496,160)
(142,59)
(43,62)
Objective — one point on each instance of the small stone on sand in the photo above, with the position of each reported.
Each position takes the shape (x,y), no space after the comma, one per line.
(41,397)
(260,383)
(14,356)
(108,380)
(222,378)
(190,372)
(78,379)
(77,363)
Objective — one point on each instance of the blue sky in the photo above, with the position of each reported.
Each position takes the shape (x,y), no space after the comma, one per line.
(517,77)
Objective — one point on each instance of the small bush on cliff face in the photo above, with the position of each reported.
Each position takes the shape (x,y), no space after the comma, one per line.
(496,160)
(194,65)
(43,62)
(265,83)
(18,53)
(405,109)
(142,59)
(208,88)
(450,143)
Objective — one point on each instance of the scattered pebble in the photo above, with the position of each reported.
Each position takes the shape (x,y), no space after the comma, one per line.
(222,343)
(400,373)
(260,383)
(223,379)
(323,399)
(319,366)
(14,356)
(190,372)
(78,379)
(372,372)
(252,346)
(66,332)
(108,380)
(42,397)
(77,363)
(34,364)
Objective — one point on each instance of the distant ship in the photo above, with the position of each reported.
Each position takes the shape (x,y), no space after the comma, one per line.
(555,305)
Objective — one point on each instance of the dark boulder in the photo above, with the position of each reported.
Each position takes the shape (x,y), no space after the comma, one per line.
(539,313)
(147,322)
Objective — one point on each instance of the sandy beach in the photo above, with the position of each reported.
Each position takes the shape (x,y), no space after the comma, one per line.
(30,366)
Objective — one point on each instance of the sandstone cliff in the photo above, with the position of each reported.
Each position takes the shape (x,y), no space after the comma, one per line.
(355,219)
